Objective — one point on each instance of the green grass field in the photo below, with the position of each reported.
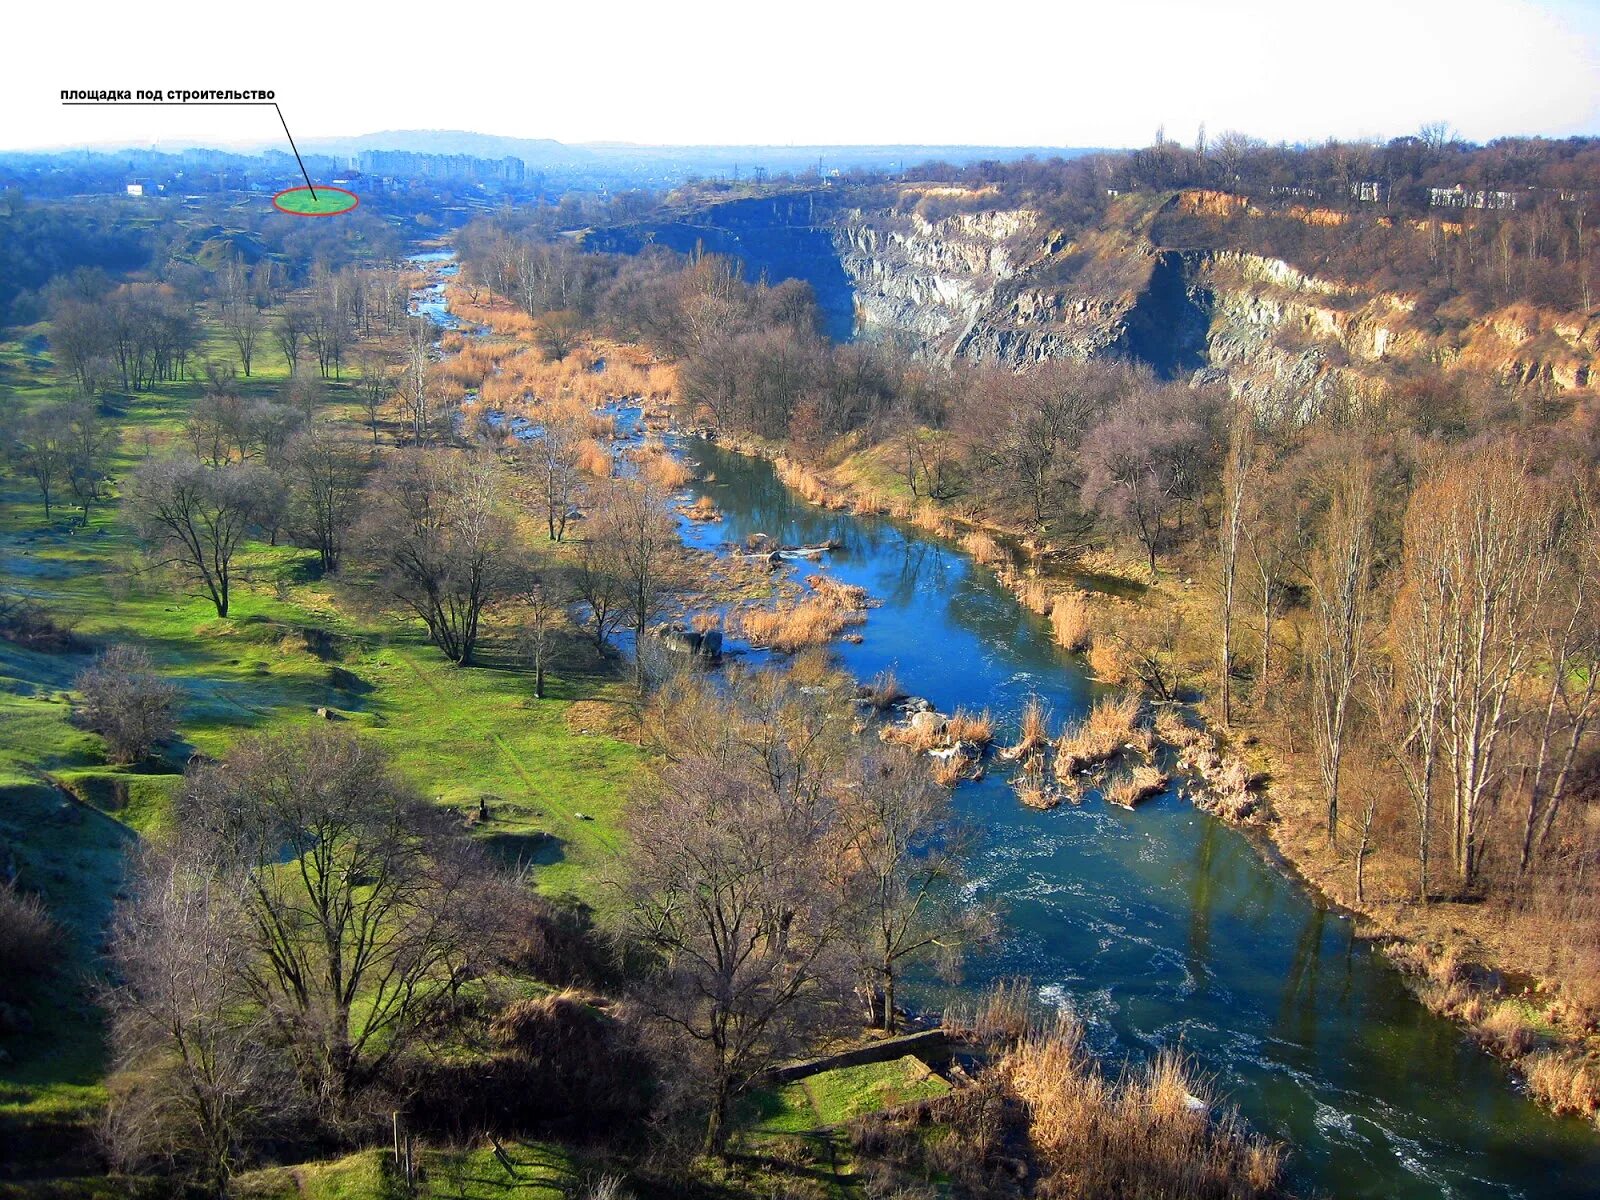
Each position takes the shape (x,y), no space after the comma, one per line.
(315,202)
(292,644)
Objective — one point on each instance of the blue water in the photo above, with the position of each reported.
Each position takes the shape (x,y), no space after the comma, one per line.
(1164,926)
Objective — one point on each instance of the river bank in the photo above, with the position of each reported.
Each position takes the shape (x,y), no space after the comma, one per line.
(1458,959)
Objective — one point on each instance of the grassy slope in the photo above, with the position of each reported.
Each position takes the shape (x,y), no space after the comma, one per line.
(457,734)
(541,1172)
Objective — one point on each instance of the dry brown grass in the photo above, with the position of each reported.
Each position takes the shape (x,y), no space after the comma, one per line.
(661,469)
(1506,1031)
(983,548)
(884,690)
(847,597)
(1035,789)
(1034,594)
(792,627)
(1034,734)
(1002,1015)
(1153,1134)
(594,460)
(1564,1082)
(703,509)
(1108,728)
(966,726)
(1070,621)
(1130,788)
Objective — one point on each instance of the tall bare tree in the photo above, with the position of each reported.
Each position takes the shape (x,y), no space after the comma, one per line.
(198,517)
(437,533)
(1484,535)
(1341,602)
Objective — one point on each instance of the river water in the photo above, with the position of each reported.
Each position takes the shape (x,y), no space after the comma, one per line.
(1165,926)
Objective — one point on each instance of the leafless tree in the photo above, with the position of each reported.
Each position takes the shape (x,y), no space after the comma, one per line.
(196,1081)
(199,516)
(1239,471)
(324,473)
(244,323)
(731,876)
(634,533)
(1340,585)
(121,698)
(1570,649)
(544,618)
(376,388)
(40,444)
(904,853)
(551,461)
(438,536)
(289,331)
(349,944)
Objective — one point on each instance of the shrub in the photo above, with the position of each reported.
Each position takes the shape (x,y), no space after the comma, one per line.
(1565,1082)
(25,623)
(1069,620)
(123,700)
(558,1061)
(1108,662)
(30,942)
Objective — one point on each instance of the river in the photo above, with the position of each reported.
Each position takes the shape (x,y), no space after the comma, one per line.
(1164,926)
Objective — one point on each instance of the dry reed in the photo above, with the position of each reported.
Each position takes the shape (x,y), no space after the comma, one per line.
(1069,621)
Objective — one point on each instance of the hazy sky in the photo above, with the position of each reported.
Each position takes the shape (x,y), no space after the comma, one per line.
(1003,72)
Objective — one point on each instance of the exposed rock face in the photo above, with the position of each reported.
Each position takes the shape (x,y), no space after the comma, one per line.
(998,285)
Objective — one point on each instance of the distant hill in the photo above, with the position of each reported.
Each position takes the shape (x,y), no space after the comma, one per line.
(536,152)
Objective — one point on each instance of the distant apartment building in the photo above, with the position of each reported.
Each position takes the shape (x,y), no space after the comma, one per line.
(1370,191)
(403,164)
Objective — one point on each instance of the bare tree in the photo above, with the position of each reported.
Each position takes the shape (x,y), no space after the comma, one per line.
(289,332)
(551,460)
(1340,585)
(376,388)
(1570,649)
(438,536)
(558,333)
(123,700)
(41,446)
(905,854)
(1238,477)
(1485,532)
(731,877)
(350,946)
(91,442)
(199,516)
(196,1083)
(324,473)
(544,618)
(633,528)
(244,324)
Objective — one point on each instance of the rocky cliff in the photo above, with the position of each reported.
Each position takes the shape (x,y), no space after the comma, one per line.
(957,273)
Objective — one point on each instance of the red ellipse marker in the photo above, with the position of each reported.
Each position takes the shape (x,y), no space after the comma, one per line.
(306,198)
